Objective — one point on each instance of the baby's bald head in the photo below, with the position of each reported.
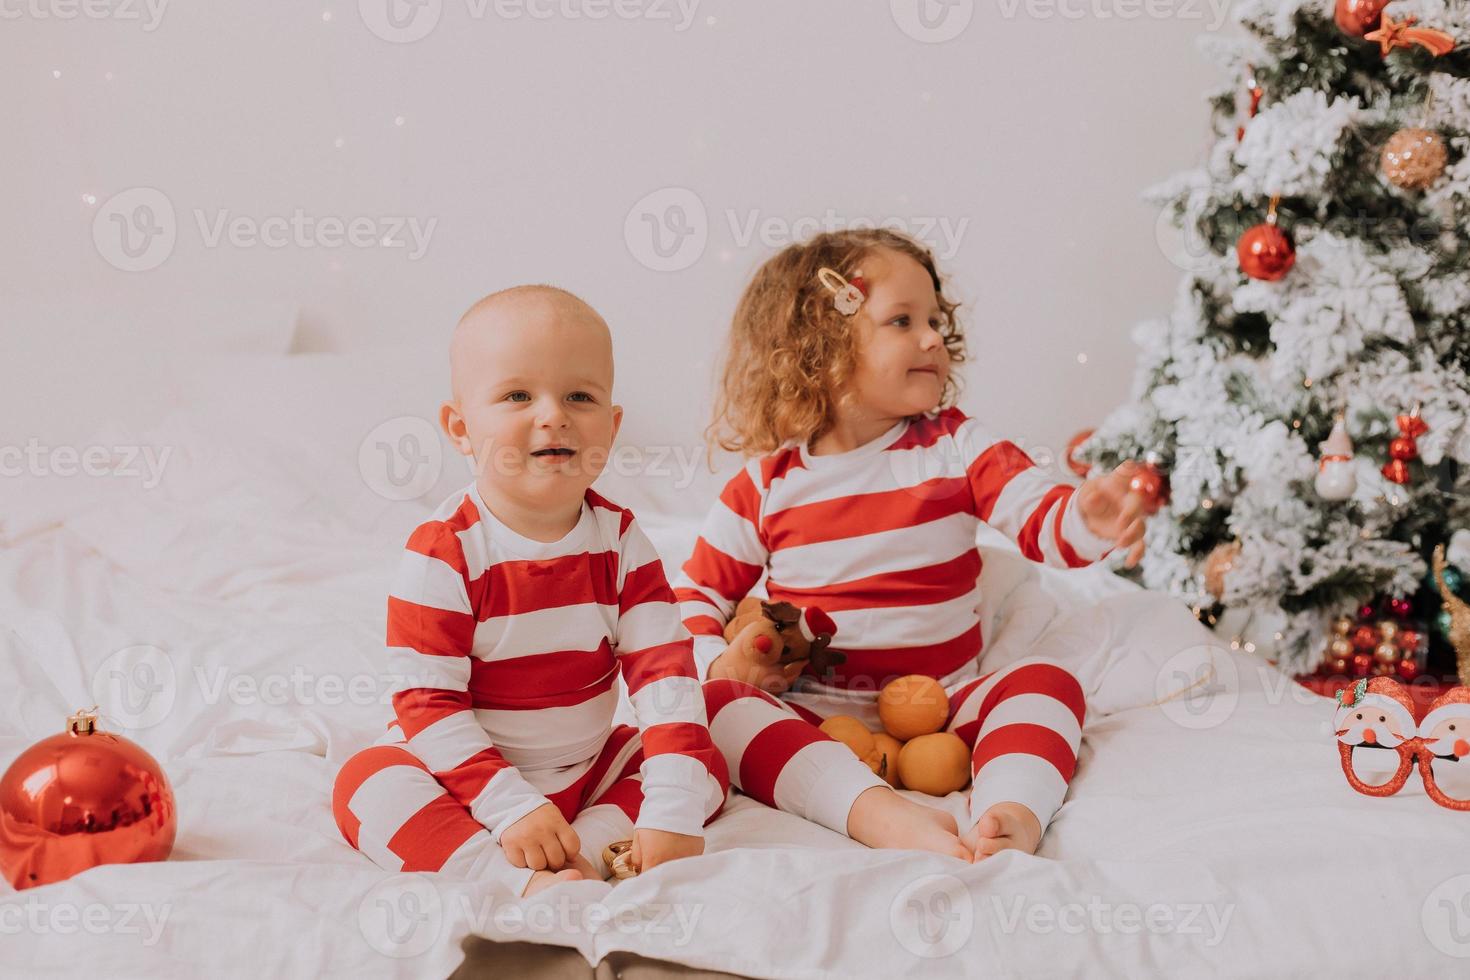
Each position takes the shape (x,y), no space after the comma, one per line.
(535,314)
(532,370)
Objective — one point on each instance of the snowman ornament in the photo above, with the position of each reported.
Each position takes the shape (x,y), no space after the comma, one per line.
(1336,479)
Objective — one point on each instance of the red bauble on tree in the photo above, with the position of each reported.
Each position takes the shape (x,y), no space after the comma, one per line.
(1358,17)
(1265,251)
(79,799)
(1403,448)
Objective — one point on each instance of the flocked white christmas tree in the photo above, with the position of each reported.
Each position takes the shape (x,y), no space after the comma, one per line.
(1238,387)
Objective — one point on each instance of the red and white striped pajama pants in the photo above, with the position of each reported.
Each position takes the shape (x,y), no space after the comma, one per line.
(390,807)
(1022,722)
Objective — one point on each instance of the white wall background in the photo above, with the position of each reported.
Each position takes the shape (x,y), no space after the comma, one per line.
(529,142)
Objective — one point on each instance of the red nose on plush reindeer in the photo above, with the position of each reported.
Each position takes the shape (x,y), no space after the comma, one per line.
(805,633)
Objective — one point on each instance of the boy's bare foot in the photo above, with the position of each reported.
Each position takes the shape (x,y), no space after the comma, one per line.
(881,818)
(1004,825)
(545,879)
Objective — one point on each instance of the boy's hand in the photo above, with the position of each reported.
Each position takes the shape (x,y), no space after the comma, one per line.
(653,847)
(541,839)
(1113,510)
(753,657)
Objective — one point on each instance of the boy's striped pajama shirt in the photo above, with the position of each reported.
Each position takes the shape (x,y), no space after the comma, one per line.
(510,651)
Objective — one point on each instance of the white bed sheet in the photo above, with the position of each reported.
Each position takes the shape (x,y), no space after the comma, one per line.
(1212,835)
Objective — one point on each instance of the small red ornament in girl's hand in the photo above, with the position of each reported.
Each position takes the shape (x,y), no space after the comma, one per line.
(1117,505)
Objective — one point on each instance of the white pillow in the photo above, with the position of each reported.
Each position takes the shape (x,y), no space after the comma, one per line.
(72,365)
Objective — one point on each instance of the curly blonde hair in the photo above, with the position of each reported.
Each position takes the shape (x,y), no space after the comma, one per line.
(791,352)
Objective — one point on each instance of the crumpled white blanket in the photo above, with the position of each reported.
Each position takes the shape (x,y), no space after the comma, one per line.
(1205,833)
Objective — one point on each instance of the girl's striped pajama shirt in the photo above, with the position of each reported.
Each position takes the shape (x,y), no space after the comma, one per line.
(883,538)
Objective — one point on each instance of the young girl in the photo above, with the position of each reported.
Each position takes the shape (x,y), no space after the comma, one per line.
(863,498)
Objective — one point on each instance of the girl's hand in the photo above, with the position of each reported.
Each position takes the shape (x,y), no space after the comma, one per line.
(653,847)
(753,657)
(1114,510)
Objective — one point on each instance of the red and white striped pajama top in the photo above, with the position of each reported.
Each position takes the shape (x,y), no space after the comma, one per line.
(512,649)
(883,538)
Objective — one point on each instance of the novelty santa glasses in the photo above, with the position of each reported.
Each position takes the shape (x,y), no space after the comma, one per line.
(1379,714)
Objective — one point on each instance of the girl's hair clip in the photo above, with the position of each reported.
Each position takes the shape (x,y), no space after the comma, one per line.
(847,294)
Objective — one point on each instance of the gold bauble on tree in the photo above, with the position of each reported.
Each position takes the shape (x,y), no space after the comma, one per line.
(1414,158)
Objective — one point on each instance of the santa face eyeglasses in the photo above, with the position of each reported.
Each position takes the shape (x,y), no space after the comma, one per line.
(1378,714)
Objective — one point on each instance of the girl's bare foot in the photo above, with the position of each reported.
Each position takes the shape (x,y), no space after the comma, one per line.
(881,818)
(545,879)
(588,869)
(1004,825)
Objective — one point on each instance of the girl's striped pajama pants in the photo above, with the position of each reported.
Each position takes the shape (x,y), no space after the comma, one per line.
(1022,722)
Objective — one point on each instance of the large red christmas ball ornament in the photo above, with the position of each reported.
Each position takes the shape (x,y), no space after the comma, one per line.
(1408,669)
(1362,664)
(1365,637)
(1073,463)
(1358,17)
(1400,606)
(1265,252)
(79,799)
